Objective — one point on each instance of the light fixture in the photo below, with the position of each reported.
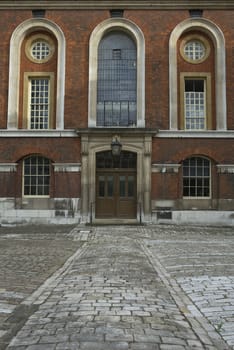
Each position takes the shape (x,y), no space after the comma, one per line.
(116,147)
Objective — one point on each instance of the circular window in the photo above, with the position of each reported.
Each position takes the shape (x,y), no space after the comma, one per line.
(195,49)
(39,48)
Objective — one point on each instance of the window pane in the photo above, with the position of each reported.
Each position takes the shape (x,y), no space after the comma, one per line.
(194,50)
(36,176)
(122,186)
(196,177)
(39,103)
(194,100)
(116,83)
(131,184)
(110,186)
(101,186)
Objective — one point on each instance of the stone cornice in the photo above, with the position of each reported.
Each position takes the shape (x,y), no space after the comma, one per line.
(225,168)
(37,133)
(8,167)
(129,131)
(123,4)
(67,167)
(165,168)
(213,134)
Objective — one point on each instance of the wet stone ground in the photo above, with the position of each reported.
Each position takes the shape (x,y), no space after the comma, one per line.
(28,256)
(116,287)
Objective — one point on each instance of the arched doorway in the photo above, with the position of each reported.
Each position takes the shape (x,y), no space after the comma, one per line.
(116,185)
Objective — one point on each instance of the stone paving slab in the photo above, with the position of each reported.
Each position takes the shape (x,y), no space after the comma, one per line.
(153,287)
(116,292)
(28,256)
(201,262)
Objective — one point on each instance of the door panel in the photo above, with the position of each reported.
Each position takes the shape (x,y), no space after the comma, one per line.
(126,201)
(105,201)
(116,194)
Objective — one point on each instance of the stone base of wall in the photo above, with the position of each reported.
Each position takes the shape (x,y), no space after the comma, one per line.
(193,217)
(45,211)
(24,217)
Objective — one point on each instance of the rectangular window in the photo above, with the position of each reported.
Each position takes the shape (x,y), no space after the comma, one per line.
(195,101)
(195,104)
(36,176)
(38,101)
(196,177)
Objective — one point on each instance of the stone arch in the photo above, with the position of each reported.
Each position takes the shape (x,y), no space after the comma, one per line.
(14,68)
(216,35)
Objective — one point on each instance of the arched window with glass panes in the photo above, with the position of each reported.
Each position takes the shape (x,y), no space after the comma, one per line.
(117,80)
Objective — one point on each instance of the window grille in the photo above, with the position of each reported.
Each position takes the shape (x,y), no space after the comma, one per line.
(194,50)
(196,177)
(195,104)
(40,50)
(39,103)
(126,160)
(36,176)
(117,77)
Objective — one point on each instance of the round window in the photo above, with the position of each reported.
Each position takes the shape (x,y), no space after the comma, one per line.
(39,48)
(195,49)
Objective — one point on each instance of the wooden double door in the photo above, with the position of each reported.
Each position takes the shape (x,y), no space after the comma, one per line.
(116,186)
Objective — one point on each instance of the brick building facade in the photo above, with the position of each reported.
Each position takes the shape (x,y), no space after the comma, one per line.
(152,78)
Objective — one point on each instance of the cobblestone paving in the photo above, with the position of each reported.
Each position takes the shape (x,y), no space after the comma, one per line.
(28,256)
(131,288)
(201,261)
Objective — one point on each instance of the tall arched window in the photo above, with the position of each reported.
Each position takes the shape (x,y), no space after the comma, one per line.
(117,80)
(117,74)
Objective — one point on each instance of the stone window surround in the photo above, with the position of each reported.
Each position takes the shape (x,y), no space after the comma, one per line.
(134,31)
(193,38)
(216,35)
(206,77)
(39,38)
(17,38)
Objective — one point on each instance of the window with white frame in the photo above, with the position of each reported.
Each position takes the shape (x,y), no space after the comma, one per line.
(195,104)
(196,101)
(194,50)
(36,176)
(39,48)
(38,101)
(196,177)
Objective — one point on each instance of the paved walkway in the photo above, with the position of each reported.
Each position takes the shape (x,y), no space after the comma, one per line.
(142,288)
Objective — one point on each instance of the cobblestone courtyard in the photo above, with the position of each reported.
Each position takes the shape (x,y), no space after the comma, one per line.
(116,288)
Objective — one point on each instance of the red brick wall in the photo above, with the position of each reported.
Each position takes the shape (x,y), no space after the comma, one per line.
(56,149)
(66,185)
(78,26)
